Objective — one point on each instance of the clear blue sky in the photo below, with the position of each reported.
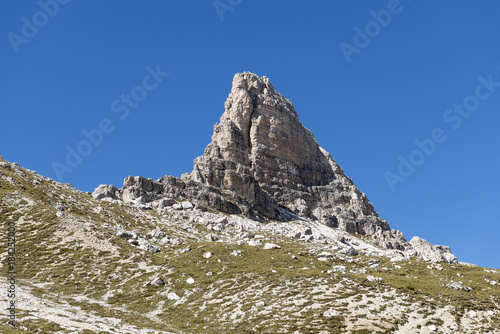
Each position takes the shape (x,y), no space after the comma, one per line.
(77,68)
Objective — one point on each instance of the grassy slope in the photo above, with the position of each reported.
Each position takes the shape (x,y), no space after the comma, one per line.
(50,252)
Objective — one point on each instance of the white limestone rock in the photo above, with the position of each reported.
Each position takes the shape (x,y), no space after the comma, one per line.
(331,313)
(173,296)
(271,246)
(157,281)
(435,253)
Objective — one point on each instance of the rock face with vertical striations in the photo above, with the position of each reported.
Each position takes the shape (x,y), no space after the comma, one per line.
(262,152)
(262,158)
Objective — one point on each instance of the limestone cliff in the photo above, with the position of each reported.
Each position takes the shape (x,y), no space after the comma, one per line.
(262,152)
(262,158)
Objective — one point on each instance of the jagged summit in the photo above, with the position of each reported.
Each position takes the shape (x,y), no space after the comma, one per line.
(263,161)
(260,133)
(262,152)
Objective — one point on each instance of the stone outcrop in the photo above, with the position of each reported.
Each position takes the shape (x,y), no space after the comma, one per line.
(261,152)
(106,191)
(261,158)
(434,253)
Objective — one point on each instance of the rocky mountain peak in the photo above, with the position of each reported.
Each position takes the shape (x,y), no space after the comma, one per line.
(260,127)
(264,164)
(260,151)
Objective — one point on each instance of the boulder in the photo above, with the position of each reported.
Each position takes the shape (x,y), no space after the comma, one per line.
(349,251)
(325,255)
(254,243)
(456,286)
(271,246)
(173,296)
(331,313)
(212,237)
(157,282)
(145,245)
(157,234)
(186,205)
(122,233)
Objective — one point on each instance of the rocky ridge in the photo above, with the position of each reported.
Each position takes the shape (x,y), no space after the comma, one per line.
(262,159)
